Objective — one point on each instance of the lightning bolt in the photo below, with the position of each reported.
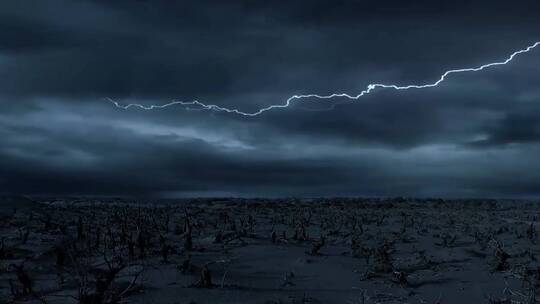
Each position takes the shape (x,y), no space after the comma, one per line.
(369,89)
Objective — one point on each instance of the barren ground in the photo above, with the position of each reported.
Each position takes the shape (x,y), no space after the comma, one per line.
(270,251)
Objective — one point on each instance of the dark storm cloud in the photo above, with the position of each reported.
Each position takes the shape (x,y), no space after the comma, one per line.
(469,136)
(212,49)
(512,129)
(120,163)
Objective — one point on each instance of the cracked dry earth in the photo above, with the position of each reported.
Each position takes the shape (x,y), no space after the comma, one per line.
(269,251)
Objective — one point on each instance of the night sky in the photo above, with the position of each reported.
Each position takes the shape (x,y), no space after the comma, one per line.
(476,135)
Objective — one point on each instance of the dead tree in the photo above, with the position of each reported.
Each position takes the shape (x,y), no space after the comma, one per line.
(188,238)
(23,278)
(317,246)
(206,278)
(531,233)
(80,232)
(273,236)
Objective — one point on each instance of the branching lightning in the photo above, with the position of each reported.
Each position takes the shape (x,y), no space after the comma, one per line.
(369,89)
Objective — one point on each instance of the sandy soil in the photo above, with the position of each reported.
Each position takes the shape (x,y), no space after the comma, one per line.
(270,251)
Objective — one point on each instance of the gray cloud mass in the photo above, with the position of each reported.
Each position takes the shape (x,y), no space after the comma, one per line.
(477,134)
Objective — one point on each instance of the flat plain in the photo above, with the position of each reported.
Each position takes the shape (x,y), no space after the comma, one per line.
(340,250)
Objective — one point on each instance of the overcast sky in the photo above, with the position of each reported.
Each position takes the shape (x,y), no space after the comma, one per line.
(475,135)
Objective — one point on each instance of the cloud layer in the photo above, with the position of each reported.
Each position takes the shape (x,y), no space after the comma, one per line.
(475,135)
